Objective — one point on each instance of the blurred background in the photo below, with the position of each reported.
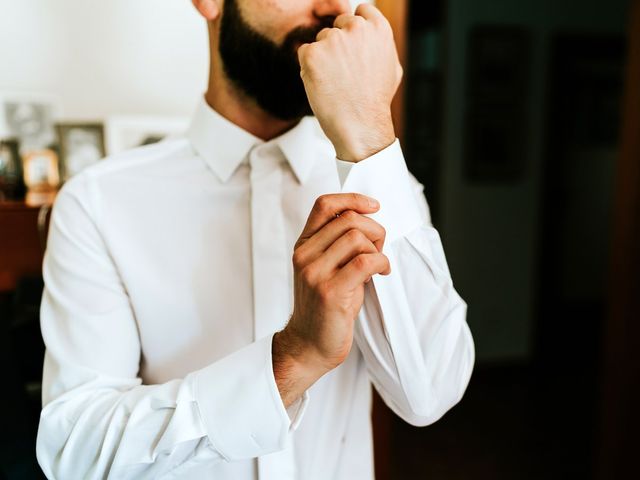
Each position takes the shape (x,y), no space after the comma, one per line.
(522,120)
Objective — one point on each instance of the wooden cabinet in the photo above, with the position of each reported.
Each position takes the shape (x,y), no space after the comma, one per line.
(22,236)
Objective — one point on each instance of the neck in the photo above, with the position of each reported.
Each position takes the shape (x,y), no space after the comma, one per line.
(225,98)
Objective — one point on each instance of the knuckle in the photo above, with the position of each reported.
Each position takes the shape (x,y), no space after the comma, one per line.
(322,204)
(298,259)
(387,265)
(325,292)
(349,216)
(362,262)
(308,55)
(323,33)
(308,275)
(357,21)
(355,236)
(303,53)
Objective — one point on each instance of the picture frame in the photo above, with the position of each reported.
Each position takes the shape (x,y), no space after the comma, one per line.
(496,114)
(11,181)
(127,132)
(81,144)
(29,117)
(40,170)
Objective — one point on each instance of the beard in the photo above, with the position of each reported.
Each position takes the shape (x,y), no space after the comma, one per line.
(266,72)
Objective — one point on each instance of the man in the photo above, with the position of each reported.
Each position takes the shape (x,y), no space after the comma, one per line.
(217,306)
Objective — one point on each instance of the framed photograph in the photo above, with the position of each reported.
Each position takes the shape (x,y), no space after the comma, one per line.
(40,169)
(81,145)
(30,118)
(497,93)
(127,132)
(11,183)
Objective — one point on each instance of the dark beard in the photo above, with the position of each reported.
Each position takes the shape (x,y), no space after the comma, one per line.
(264,71)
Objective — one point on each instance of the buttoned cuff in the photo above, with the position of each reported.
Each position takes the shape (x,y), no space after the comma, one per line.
(240,405)
(385,177)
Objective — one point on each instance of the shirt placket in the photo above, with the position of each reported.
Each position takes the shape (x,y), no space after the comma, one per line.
(271,301)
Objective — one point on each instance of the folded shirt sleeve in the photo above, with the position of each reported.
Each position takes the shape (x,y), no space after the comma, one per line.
(98,418)
(412,328)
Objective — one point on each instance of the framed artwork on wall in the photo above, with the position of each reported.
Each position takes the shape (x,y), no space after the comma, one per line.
(81,145)
(30,118)
(496,116)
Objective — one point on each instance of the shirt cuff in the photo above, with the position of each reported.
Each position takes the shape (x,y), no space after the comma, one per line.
(296,410)
(240,405)
(385,177)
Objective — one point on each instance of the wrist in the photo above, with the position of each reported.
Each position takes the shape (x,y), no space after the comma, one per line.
(294,368)
(358,142)
(291,350)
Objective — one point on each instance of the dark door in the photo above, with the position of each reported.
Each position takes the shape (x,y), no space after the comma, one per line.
(586,81)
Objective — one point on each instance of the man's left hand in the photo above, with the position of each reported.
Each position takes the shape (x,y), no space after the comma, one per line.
(351,74)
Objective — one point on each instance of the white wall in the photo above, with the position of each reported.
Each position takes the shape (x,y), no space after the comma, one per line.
(105,57)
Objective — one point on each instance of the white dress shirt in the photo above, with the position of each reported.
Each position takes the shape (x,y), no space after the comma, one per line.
(168,269)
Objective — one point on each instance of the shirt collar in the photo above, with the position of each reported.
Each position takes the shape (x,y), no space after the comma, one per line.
(224,146)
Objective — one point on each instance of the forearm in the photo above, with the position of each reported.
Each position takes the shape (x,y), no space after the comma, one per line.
(86,432)
(210,415)
(412,328)
(419,353)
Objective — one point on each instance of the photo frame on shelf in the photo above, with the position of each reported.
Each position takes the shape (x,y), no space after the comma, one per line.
(81,144)
(126,132)
(30,118)
(11,181)
(40,170)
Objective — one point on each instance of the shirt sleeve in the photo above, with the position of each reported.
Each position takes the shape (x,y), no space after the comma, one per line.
(412,328)
(99,420)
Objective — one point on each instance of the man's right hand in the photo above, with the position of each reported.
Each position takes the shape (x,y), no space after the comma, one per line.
(338,251)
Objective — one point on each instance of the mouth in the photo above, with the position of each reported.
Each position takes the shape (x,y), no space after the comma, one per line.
(300,36)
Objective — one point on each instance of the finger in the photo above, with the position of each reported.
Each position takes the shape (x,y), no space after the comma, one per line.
(328,206)
(369,12)
(360,269)
(324,33)
(342,251)
(310,250)
(302,51)
(346,19)
(347,221)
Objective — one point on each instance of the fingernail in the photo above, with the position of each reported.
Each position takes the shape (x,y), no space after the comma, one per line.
(373,203)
